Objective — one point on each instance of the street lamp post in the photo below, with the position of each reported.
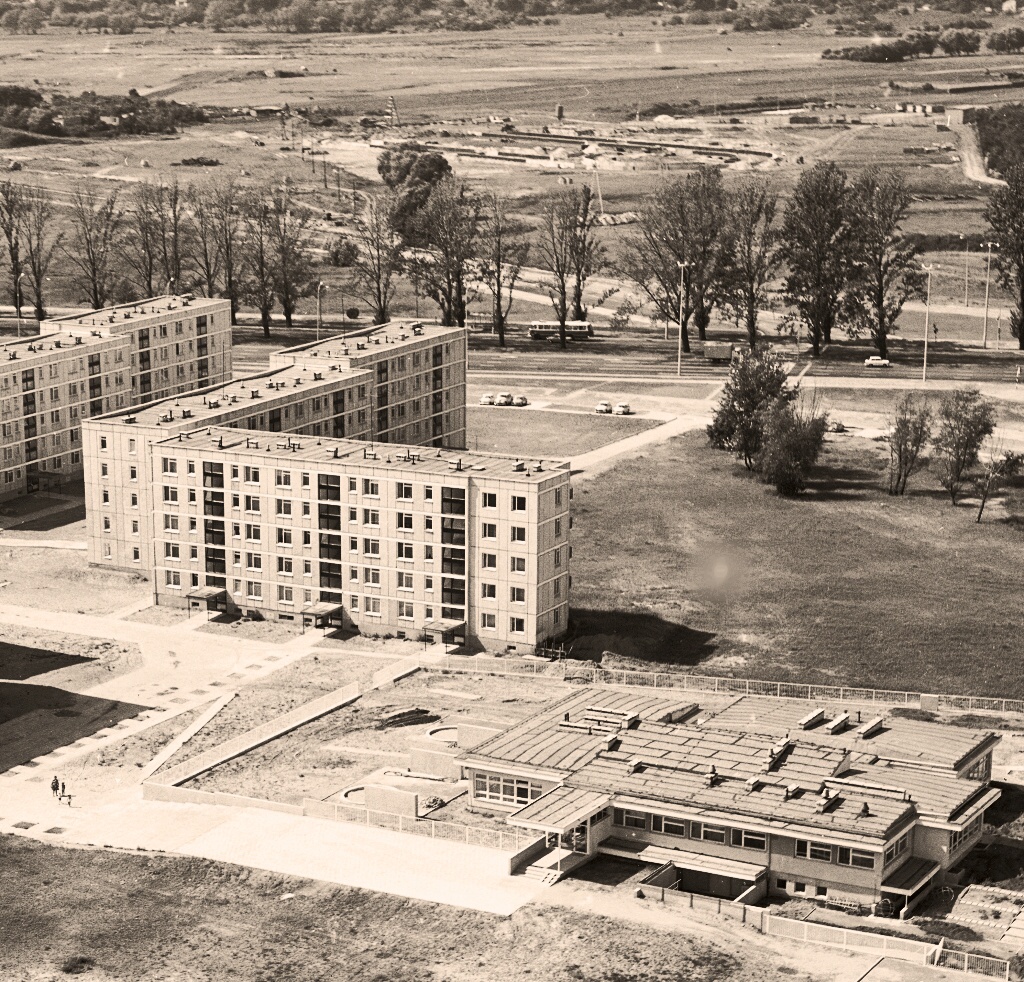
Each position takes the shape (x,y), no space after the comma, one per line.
(679,341)
(320,287)
(967,252)
(988,276)
(21,276)
(927,315)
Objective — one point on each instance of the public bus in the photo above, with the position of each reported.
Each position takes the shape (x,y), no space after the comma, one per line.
(548,330)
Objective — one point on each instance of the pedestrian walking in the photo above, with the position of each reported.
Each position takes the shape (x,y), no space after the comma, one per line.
(1018,375)
(55,785)
(62,789)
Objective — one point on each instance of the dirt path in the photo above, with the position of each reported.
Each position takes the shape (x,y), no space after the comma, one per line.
(970,155)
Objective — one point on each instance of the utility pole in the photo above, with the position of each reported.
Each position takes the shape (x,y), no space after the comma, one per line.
(320,287)
(988,276)
(967,252)
(683,267)
(927,315)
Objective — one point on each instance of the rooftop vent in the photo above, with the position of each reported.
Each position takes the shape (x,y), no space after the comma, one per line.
(826,801)
(129,419)
(865,811)
(838,724)
(752,783)
(711,778)
(519,466)
(634,765)
(792,790)
(870,728)
(812,719)
(254,394)
(186,414)
(78,339)
(317,377)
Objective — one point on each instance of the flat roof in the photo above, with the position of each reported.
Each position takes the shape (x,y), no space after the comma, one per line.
(403,458)
(911,876)
(140,308)
(896,739)
(938,793)
(560,809)
(368,343)
(44,345)
(683,858)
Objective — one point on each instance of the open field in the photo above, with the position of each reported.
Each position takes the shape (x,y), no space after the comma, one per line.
(684,560)
(162,919)
(67,661)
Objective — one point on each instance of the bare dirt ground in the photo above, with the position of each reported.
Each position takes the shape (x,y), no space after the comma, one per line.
(271,632)
(160,919)
(62,660)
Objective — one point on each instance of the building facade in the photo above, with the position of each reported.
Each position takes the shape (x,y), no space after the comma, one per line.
(765,797)
(394,540)
(101,362)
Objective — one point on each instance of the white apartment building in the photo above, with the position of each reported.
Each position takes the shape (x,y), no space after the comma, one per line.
(401,540)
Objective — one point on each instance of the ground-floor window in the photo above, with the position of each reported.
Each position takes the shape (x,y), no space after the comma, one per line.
(627,819)
(860,858)
(505,790)
(749,840)
(897,848)
(710,833)
(667,825)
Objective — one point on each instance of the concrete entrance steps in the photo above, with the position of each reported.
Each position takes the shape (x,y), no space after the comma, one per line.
(554,864)
(1014,934)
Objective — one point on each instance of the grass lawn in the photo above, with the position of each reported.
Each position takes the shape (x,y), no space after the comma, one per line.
(683,560)
(500,429)
(35,719)
(131,916)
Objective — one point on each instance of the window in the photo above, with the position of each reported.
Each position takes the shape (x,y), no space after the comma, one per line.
(252,475)
(558,497)
(428,494)
(897,848)
(488,591)
(252,533)
(428,553)
(667,825)
(860,858)
(428,524)
(405,581)
(371,488)
(404,521)
(487,622)
(371,547)
(352,485)
(405,610)
(253,590)
(958,837)
(709,833)
(627,819)
(170,494)
(371,575)
(403,491)
(558,557)
(518,502)
(518,564)
(981,769)
(428,583)
(252,503)
(488,560)
(172,578)
(172,550)
(284,565)
(749,840)
(371,516)
(820,891)
(171,523)
(168,465)
(489,499)
(284,594)
(307,567)
(105,495)
(284,537)
(488,530)
(283,479)
(371,605)
(558,528)
(517,625)
(103,444)
(353,603)
(405,550)
(284,507)
(517,595)
(518,533)
(505,790)
(813,850)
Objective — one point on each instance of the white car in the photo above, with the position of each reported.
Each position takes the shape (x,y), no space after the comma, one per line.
(520,401)
(603,407)
(622,409)
(504,399)
(876,361)
(487,399)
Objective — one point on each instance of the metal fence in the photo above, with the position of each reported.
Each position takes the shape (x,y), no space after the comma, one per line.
(569,671)
(918,951)
(965,961)
(510,840)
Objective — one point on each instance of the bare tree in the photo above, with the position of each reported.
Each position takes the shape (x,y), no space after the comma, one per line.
(449,224)
(910,428)
(207,243)
(230,230)
(1000,466)
(142,249)
(174,235)
(708,247)
(293,264)
(259,283)
(503,252)
(884,269)
(379,259)
(93,249)
(41,241)
(12,209)
(754,251)
(652,256)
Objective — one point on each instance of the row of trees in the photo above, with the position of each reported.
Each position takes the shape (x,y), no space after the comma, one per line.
(917,44)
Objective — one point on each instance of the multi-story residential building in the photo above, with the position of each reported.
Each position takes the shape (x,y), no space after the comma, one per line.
(387,539)
(310,392)
(418,393)
(100,362)
(766,796)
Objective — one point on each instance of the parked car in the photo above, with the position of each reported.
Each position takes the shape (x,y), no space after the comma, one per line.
(487,399)
(876,361)
(603,407)
(622,409)
(504,399)
(520,401)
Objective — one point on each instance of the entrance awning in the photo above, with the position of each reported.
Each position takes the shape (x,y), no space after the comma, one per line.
(910,877)
(444,625)
(323,609)
(560,810)
(659,855)
(207,593)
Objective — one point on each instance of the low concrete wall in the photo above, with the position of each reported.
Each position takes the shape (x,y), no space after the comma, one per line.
(240,801)
(435,762)
(526,857)
(394,801)
(169,792)
(471,734)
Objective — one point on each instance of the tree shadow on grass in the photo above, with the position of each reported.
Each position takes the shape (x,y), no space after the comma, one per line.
(20,662)
(843,483)
(636,634)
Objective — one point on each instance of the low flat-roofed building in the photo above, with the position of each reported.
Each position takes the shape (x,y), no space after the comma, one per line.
(405,540)
(740,811)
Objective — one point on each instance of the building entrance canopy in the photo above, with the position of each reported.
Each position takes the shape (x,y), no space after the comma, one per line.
(560,810)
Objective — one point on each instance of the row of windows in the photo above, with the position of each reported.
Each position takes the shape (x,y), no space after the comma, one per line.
(958,837)
(505,790)
(844,855)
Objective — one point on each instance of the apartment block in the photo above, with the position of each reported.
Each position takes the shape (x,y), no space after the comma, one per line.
(401,540)
(762,797)
(99,362)
(309,393)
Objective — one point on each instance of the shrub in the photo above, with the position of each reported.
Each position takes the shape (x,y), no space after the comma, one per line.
(791,445)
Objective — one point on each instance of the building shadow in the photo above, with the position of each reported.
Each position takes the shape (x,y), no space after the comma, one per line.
(592,632)
(19,662)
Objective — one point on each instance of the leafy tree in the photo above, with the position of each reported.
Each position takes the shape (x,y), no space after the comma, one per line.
(93,249)
(757,381)
(259,257)
(411,174)
(379,259)
(708,247)
(815,246)
(754,258)
(586,253)
(41,241)
(965,420)
(449,223)
(884,271)
(955,42)
(910,428)
(503,252)
(791,444)
(997,470)
(293,265)
(651,255)
(12,213)
(1005,216)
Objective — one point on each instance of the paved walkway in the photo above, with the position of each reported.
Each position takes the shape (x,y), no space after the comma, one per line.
(44,544)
